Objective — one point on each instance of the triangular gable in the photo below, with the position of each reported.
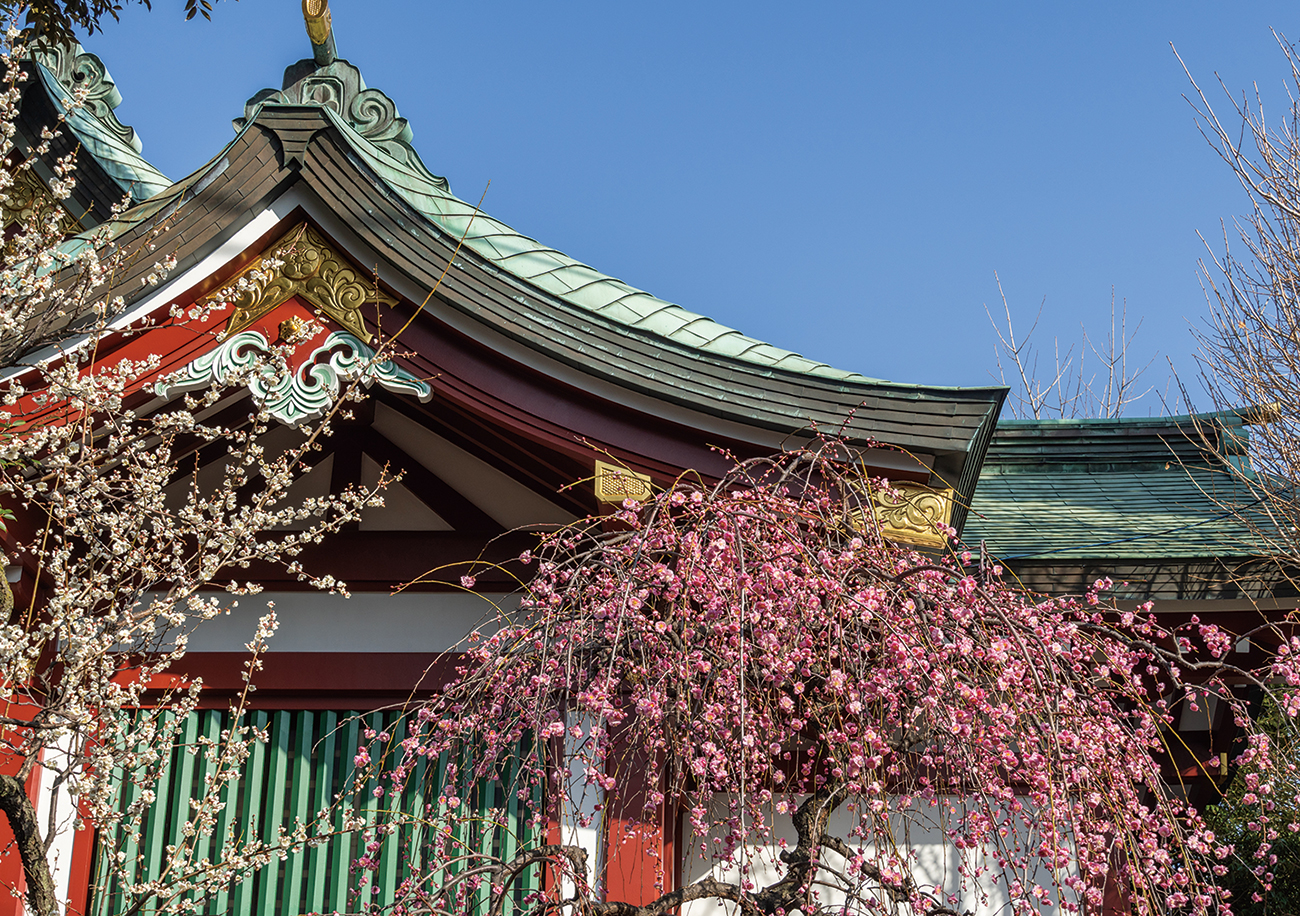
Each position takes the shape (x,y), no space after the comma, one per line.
(302,263)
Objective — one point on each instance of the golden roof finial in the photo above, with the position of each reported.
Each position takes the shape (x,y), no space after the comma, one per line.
(320,30)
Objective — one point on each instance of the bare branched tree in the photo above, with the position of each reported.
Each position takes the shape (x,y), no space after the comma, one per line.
(1094,379)
(1250,346)
(1249,362)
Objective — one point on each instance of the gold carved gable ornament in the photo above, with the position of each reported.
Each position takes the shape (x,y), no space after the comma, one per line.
(911,513)
(914,513)
(907,512)
(308,267)
(27,199)
(615,484)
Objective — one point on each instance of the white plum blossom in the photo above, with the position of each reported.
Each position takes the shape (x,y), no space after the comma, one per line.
(122,549)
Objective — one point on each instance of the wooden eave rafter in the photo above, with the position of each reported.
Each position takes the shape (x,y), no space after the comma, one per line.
(546,472)
(429,488)
(354,439)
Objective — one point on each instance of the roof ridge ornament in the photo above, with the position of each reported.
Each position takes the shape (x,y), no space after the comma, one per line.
(320,29)
(331,82)
(76,70)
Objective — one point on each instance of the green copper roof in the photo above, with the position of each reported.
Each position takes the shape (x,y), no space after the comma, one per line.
(381,139)
(582,285)
(64,69)
(1142,488)
(341,147)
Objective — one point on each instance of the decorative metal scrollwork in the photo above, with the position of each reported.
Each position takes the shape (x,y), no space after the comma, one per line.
(615,484)
(913,513)
(908,512)
(27,198)
(338,86)
(300,395)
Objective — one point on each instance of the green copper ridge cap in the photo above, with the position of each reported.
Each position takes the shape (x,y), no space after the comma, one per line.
(382,139)
(69,69)
(339,87)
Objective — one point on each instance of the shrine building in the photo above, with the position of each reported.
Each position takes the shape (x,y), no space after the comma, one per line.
(1169,509)
(529,390)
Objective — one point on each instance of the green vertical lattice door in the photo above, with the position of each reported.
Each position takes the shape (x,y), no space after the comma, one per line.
(304,765)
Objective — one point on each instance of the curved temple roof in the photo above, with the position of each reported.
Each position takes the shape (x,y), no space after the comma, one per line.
(581,285)
(350,145)
(384,141)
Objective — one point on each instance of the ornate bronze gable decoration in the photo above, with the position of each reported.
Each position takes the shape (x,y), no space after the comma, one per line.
(309,267)
(913,513)
(76,70)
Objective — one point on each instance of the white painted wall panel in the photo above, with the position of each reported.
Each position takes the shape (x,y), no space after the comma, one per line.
(366,622)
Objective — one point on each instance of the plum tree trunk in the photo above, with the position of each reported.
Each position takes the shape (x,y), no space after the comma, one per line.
(21,814)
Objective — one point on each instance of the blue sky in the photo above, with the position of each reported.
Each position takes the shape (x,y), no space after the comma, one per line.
(841,179)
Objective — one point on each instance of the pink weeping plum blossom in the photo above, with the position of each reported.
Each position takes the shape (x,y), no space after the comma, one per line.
(754,654)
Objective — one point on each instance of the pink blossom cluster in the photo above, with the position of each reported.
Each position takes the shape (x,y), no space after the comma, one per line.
(756,650)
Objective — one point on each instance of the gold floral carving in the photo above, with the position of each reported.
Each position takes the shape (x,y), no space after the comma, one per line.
(913,513)
(27,198)
(309,267)
(615,484)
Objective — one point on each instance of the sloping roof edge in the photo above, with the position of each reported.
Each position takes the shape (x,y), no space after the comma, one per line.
(382,138)
(63,70)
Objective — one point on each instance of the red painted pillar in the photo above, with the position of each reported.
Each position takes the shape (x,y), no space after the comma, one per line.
(640,852)
(80,868)
(1115,900)
(640,841)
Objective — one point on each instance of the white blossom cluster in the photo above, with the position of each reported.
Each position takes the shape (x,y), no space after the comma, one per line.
(121,540)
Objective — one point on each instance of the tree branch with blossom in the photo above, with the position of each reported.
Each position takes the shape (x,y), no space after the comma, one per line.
(755,650)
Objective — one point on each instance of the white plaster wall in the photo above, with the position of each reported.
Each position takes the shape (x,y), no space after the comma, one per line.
(934,869)
(583,801)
